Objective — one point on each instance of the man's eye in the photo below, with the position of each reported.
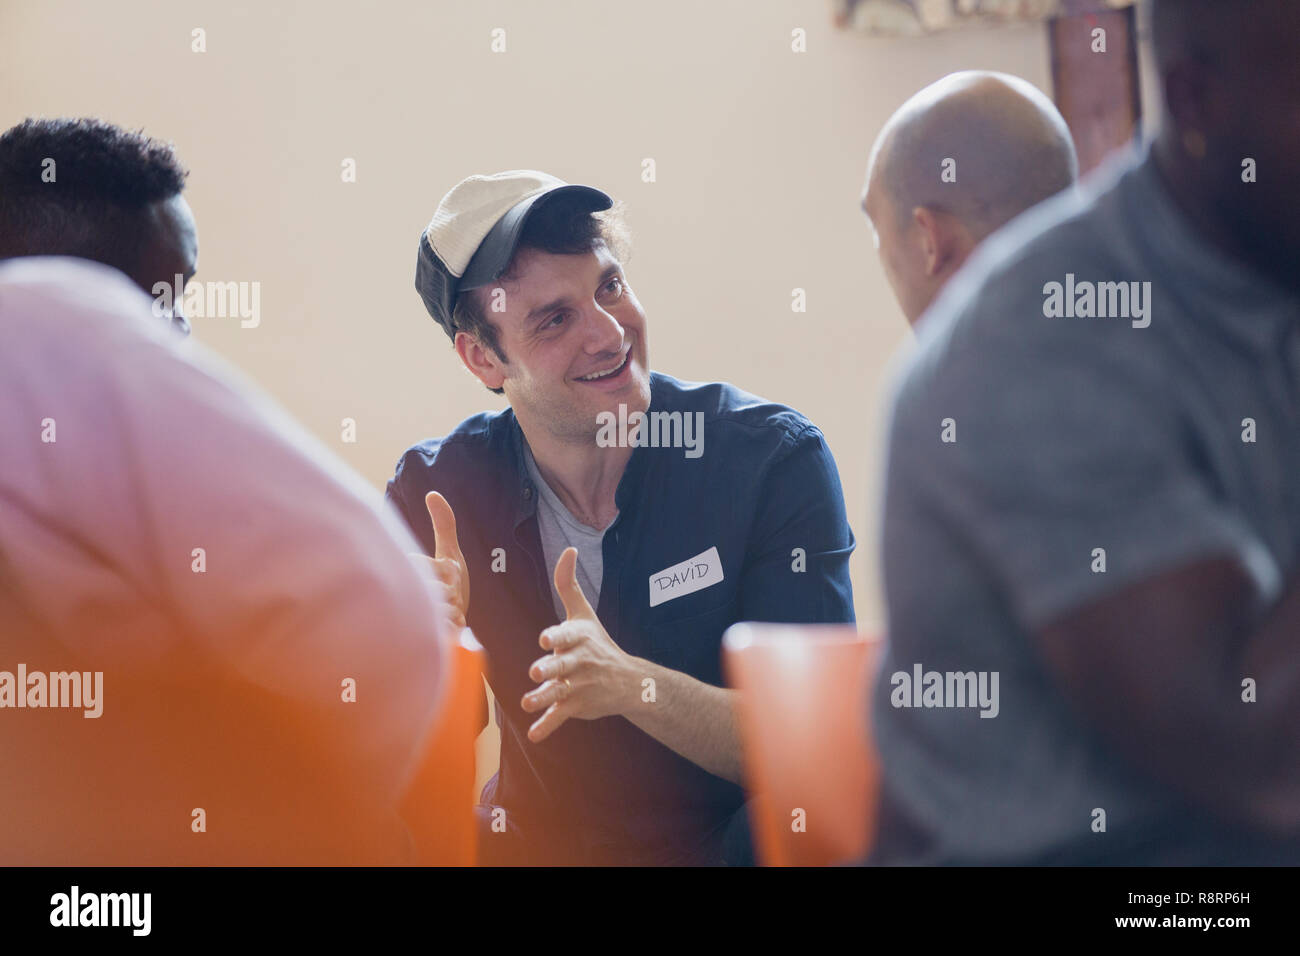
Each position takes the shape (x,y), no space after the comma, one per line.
(614,286)
(555,321)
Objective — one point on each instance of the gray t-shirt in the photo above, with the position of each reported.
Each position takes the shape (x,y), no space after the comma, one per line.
(1072,440)
(559,529)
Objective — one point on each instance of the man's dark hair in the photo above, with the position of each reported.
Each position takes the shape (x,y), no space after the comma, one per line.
(559,228)
(89,200)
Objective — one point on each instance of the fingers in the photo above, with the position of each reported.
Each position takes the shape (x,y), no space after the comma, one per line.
(446,544)
(555,666)
(448,572)
(446,552)
(552,692)
(559,638)
(445,570)
(566,583)
(549,722)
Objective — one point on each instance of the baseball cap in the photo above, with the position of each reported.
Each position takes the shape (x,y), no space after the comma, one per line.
(473,234)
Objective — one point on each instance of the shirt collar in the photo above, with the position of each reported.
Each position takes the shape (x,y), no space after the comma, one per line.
(1245,304)
(526,491)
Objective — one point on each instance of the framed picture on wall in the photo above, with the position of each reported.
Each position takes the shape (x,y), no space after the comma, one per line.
(914,17)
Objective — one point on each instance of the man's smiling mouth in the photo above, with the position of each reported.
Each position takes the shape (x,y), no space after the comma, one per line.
(609,372)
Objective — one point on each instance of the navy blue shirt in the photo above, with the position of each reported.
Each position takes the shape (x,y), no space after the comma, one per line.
(765,492)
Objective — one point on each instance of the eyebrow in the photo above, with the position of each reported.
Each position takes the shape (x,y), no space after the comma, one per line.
(609,273)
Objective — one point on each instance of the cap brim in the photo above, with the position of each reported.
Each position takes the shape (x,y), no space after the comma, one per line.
(498,246)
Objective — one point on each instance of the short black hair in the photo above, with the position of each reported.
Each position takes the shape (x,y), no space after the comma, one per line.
(77,187)
(560,228)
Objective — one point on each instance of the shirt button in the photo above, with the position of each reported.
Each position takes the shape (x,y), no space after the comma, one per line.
(528,493)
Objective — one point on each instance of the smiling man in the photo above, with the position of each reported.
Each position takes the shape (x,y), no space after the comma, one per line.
(605,572)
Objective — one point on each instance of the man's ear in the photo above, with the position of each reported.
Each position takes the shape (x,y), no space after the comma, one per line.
(1187,98)
(943,240)
(930,234)
(480,360)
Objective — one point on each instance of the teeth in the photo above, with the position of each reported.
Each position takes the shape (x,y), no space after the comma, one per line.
(605,374)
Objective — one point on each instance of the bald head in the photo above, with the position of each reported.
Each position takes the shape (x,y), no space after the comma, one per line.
(956,161)
(1011,149)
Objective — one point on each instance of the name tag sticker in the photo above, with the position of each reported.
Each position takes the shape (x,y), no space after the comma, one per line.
(694,574)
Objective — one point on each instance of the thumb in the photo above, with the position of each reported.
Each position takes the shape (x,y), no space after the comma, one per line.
(566,583)
(444,526)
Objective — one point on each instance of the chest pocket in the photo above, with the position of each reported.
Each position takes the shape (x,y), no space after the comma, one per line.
(691,640)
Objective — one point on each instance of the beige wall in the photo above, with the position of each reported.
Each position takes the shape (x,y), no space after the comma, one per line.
(760,154)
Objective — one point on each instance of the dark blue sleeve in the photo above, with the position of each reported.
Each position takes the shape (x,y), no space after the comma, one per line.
(393,495)
(797,564)
(419,524)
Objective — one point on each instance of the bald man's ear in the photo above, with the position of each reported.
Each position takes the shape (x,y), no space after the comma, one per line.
(944,242)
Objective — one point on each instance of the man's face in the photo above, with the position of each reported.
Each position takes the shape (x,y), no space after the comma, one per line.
(170,247)
(566,318)
(900,255)
(1260,119)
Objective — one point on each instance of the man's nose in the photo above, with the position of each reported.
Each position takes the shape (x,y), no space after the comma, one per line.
(604,332)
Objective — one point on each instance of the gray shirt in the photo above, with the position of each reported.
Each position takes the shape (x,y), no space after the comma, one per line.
(1074,441)
(559,529)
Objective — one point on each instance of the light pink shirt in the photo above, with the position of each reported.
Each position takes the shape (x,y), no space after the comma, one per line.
(223,689)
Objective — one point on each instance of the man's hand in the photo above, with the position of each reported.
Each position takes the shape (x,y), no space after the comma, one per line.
(448,563)
(587,675)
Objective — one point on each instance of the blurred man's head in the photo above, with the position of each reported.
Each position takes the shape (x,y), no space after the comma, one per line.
(85,188)
(1231,93)
(958,160)
(556,329)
